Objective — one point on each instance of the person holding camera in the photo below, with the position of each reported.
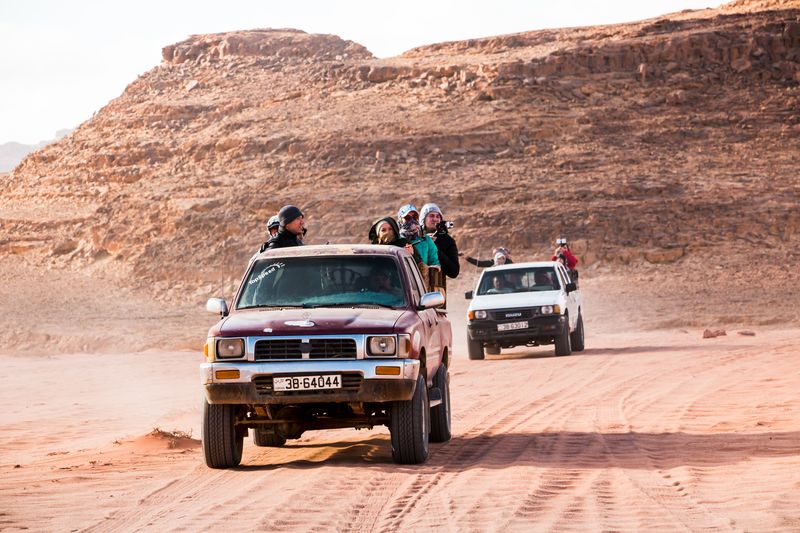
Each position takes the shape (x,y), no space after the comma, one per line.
(562,249)
(436,227)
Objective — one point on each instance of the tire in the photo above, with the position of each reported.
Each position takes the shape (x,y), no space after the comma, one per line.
(265,437)
(576,337)
(562,341)
(440,415)
(475,349)
(222,443)
(410,426)
(492,349)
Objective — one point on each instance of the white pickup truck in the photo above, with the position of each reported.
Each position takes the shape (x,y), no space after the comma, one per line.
(524,304)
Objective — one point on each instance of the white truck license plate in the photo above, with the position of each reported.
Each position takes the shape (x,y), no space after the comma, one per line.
(512,325)
(322,381)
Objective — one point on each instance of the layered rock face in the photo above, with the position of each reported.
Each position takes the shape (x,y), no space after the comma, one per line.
(647,143)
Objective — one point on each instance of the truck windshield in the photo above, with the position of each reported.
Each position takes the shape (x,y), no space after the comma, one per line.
(519,280)
(323,282)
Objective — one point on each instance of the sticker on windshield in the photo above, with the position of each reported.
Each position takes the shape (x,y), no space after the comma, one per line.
(271,269)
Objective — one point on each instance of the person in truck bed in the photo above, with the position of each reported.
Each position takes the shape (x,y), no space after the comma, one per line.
(563,254)
(290,231)
(273,224)
(562,248)
(386,231)
(500,256)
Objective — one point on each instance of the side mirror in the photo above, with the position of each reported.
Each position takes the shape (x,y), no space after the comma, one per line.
(431,299)
(217,306)
(468,295)
(571,287)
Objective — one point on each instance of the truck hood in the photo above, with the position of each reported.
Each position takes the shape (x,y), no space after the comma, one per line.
(516,299)
(260,322)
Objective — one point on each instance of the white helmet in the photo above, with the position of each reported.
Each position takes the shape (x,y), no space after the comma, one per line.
(429,208)
(405,211)
(273,222)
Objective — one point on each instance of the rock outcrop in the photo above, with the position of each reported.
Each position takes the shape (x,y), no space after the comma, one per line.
(648,143)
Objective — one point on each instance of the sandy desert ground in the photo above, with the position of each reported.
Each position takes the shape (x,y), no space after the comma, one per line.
(645,430)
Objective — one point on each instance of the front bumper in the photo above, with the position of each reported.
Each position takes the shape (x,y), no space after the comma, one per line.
(360,381)
(539,328)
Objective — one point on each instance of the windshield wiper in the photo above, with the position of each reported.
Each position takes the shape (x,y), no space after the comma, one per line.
(347,304)
(271,307)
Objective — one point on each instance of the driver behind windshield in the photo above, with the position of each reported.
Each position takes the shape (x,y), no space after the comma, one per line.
(499,286)
(380,280)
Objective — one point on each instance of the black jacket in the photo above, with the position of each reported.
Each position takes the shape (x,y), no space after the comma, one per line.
(448,255)
(283,239)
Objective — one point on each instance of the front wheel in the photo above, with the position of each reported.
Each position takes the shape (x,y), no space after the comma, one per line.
(222,441)
(474,349)
(563,346)
(409,426)
(440,415)
(576,337)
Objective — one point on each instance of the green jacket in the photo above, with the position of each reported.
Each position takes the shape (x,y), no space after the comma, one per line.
(426,248)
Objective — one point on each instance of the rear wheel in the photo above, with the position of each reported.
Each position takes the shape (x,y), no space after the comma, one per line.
(409,426)
(440,415)
(475,349)
(222,441)
(267,437)
(576,337)
(562,341)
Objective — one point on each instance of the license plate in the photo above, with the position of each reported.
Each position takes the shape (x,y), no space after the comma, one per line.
(512,326)
(321,381)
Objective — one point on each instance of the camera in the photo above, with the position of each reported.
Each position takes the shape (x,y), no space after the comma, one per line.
(443,226)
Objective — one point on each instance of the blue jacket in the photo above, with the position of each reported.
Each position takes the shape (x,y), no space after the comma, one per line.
(426,248)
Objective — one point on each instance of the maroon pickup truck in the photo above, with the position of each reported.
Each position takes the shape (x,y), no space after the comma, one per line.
(323,337)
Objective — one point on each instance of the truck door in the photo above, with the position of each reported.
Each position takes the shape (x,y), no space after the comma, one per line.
(572,299)
(430,319)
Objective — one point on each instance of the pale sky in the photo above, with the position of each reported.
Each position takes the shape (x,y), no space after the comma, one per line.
(62,60)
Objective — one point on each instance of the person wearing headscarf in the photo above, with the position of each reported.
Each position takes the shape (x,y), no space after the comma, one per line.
(500,256)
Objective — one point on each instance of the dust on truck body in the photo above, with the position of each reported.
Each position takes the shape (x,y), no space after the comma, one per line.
(323,337)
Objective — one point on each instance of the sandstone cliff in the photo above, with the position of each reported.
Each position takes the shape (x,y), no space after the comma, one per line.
(673,139)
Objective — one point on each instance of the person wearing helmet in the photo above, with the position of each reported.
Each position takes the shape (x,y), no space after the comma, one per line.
(562,248)
(272,225)
(424,247)
(433,225)
(500,256)
(407,212)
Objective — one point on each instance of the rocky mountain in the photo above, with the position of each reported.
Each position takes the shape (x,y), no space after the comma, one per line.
(669,141)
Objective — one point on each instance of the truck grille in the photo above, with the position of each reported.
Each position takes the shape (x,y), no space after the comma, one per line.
(269,349)
(511,314)
(350,382)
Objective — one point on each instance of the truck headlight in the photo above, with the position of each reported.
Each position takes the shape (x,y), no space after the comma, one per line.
(477,315)
(230,348)
(550,309)
(382,346)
